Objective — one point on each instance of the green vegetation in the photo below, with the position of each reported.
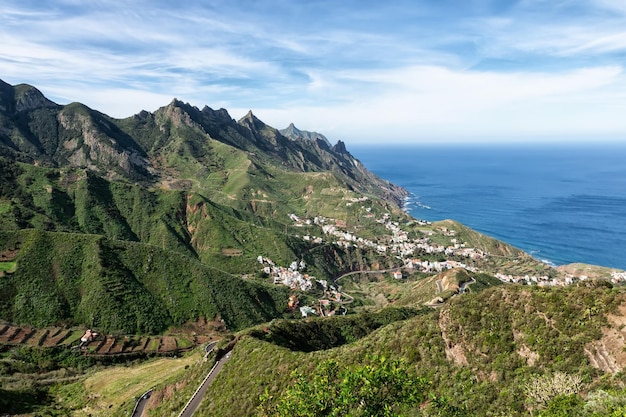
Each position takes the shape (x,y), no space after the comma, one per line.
(123,287)
(8,266)
(27,375)
(379,390)
(325,333)
(479,353)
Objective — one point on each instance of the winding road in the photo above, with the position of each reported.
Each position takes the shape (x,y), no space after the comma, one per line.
(381,271)
(348,296)
(140,405)
(197,396)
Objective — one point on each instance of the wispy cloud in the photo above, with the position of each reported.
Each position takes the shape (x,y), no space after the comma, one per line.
(358,69)
(427,103)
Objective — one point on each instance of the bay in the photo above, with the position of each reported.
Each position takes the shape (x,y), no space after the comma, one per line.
(560,203)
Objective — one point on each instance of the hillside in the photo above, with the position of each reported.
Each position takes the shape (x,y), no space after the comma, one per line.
(481,352)
(196,185)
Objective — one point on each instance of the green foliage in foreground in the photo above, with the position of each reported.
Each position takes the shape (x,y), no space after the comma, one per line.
(27,372)
(384,389)
(7,266)
(478,363)
(597,404)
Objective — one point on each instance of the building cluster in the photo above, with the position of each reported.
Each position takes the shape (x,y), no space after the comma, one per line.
(398,243)
(562,281)
(618,276)
(436,266)
(331,301)
(291,276)
(353,200)
(526,279)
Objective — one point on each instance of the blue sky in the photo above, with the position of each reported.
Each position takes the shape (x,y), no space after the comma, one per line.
(357,70)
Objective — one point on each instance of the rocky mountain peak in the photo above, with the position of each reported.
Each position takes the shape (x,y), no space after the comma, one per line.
(28,97)
(22,97)
(180,113)
(340,147)
(249,119)
(139,147)
(143,115)
(252,122)
(293,133)
(221,114)
(176,103)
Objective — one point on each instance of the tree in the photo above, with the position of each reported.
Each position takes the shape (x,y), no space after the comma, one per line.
(564,406)
(383,389)
(543,389)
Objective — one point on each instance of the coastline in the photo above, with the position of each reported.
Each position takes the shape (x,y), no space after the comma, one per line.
(561,205)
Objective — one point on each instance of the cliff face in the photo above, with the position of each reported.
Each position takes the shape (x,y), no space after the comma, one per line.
(145,147)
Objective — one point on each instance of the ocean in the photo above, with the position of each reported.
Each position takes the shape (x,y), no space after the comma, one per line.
(560,203)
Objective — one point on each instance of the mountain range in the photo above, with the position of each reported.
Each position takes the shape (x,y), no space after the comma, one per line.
(140,148)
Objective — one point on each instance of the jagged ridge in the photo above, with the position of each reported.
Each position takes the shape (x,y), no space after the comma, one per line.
(144,147)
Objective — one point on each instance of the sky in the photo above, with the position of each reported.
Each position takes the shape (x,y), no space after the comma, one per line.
(361,71)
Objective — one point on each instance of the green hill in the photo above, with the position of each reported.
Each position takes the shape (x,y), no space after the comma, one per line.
(480,351)
(124,287)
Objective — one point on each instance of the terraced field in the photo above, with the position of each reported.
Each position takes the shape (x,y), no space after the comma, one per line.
(102,345)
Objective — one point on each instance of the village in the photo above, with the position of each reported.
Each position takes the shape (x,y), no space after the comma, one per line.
(412,253)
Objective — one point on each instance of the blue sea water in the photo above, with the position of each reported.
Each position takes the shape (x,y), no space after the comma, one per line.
(560,203)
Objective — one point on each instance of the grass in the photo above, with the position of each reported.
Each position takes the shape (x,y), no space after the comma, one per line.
(183,342)
(10,266)
(73,337)
(114,388)
(153,345)
(4,207)
(487,329)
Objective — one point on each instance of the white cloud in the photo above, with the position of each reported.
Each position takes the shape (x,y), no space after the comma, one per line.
(602,43)
(127,101)
(357,72)
(611,5)
(421,102)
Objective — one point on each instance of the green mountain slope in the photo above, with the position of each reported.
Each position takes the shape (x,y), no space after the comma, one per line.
(124,287)
(196,184)
(177,142)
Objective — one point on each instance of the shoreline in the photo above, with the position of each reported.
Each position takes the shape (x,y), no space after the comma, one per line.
(406,207)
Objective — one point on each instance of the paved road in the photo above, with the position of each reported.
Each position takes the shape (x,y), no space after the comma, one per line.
(382,271)
(351,299)
(197,397)
(209,348)
(141,404)
(465,286)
